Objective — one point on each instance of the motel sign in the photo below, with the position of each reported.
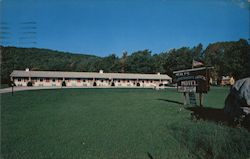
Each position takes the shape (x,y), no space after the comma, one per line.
(193,80)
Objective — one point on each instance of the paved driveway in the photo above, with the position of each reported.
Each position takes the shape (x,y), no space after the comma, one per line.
(7,90)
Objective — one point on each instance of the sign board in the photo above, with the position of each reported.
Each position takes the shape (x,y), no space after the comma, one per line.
(192,98)
(193,80)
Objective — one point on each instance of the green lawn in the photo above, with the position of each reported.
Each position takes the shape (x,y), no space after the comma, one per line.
(114,123)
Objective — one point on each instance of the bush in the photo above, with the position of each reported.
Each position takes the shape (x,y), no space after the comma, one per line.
(29,84)
(63,84)
(94,84)
(112,84)
(138,84)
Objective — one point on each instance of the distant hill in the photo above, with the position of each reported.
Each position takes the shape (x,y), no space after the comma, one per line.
(228,58)
(43,59)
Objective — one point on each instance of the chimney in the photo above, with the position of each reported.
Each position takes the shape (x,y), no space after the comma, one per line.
(101,71)
(27,69)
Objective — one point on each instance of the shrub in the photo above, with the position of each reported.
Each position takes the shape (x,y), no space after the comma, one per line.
(138,84)
(94,84)
(29,84)
(112,84)
(63,84)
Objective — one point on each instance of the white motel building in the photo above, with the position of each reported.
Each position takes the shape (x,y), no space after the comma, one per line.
(88,79)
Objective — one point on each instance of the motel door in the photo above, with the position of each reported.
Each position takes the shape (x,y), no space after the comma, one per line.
(73,82)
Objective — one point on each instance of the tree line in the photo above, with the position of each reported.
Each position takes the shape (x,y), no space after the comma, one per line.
(228,58)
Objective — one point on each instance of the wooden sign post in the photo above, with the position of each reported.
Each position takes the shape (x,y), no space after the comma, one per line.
(12,87)
(191,81)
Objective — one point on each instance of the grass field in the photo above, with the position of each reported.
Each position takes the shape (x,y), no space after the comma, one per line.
(114,123)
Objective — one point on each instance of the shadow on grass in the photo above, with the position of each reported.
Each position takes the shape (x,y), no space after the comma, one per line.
(150,156)
(212,114)
(216,115)
(171,101)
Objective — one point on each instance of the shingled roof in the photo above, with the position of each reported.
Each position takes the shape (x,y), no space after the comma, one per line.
(59,74)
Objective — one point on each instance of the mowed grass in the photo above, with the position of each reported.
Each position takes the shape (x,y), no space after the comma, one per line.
(114,123)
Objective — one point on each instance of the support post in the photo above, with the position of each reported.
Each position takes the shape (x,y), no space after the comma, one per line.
(185,98)
(12,85)
(201,99)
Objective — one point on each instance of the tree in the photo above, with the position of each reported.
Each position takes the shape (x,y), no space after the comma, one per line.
(228,58)
(123,62)
(140,62)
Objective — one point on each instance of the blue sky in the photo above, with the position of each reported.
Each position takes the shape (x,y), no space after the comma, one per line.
(103,27)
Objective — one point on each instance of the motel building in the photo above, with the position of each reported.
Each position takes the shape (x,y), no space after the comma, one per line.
(88,79)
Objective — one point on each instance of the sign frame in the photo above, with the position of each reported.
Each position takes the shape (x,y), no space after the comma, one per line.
(195,80)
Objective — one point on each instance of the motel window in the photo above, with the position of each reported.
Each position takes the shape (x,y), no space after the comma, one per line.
(41,80)
(142,81)
(53,80)
(128,81)
(19,79)
(101,80)
(84,80)
(47,79)
(151,81)
(33,79)
(78,80)
(119,81)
